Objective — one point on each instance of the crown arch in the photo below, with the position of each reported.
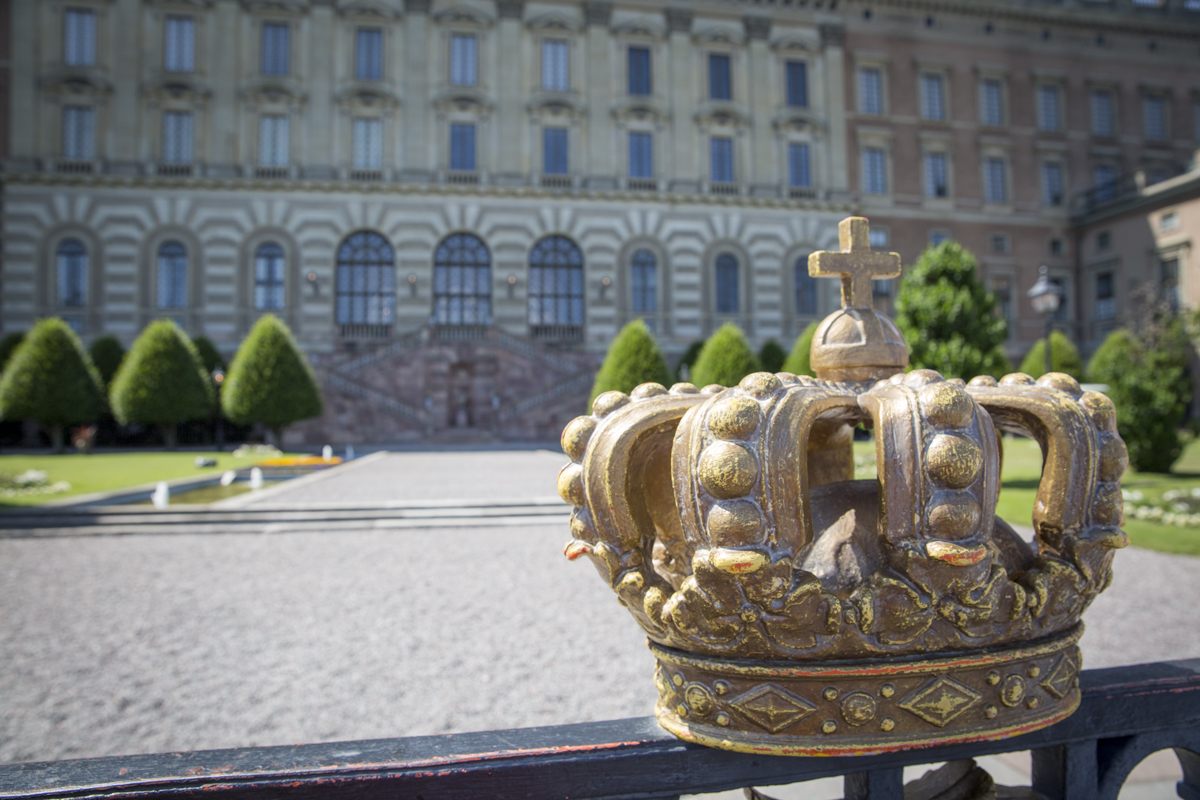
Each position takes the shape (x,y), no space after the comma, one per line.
(365,282)
(462,281)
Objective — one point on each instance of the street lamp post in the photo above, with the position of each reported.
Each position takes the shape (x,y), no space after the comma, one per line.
(1045,297)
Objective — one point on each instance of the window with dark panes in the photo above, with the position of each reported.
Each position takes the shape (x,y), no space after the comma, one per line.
(554,151)
(721,159)
(643,274)
(462,147)
(172,275)
(462,281)
(556,283)
(806,289)
(641,155)
(556,65)
(177,137)
(268,276)
(72,273)
(368,54)
(368,143)
(79,37)
(1106,301)
(275,48)
(179,44)
(797,84)
(720,80)
(366,280)
(640,82)
(727,284)
(79,133)
(935,175)
(464,60)
(799,172)
(992,102)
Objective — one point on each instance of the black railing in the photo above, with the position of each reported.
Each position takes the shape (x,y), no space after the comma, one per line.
(1127,713)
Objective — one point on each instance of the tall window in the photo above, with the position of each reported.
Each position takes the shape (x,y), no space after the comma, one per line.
(1052,183)
(1001,288)
(368,54)
(172,275)
(720,82)
(727,284)
(79,38)
(1103,116)
(268,276)
(933,104)
(641,155)
(179,44)
(640,82)
(643,274)
(556,65)
(797,84)
(177,137)
(799,174)
(275,48)
(806,289)
(554,151)
(870,90)
(721,159)
(991,102)
(464,59)
(72,273)
(874,170)
(1154,116)
(555,283)
(995,180)
(273,147)
(936,184)
(368,144)
(1169,268)
(462,281)
(462,147)
(1106,301)
(79,133)
(1104,182)
(366,280)
(1047,108)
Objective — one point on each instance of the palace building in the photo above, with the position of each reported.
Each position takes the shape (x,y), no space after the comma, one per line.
(456,205)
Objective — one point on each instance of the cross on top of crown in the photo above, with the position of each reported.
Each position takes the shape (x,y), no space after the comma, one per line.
(856,265)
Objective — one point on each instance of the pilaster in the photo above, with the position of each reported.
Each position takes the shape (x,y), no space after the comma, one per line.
(124,64)
(419,80)
(600,170)
(765,171)
(223,49)
(681,73)
(319,152)
(509,108)
(22,87)
(833,38)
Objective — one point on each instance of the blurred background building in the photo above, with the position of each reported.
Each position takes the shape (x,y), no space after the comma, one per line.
(456,205)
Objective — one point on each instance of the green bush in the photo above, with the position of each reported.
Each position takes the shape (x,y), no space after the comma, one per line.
(633,359)
(51,379)
(725,359)
(772,356)
(8,346)
(210,357)
(949,318)
(161,381)
(106,353)
(1063,357)
(798,360)
(683,372)
(1148,382)
(270,381)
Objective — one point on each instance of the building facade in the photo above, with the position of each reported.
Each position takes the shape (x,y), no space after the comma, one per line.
(456,205)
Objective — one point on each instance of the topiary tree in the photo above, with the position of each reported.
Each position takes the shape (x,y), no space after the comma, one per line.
(948,318)
(161,381)
(8,346)
(772,356)
(210,357)
(633,359)
(270,381)
(1064,357)
(106,353)
(683,372)
(51,379)
(725,359)
(798,360)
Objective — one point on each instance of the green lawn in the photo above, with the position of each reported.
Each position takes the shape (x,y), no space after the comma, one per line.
(1023,469)
(100,472)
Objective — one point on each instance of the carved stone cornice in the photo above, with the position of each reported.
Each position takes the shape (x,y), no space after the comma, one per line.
(176,87)
(286,6)
(360,94)
(679,20)
(372,8)
(639,27)
(641,109)
(568,104)
(463,98)
(719,114)
(75,80)
(464,14)
(417,6)
(553,21)
(510,9)
(273,90)
(757,27)
(597,12)
(798,120)
(720,34)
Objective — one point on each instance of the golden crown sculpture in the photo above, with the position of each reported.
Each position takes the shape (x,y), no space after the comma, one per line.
(795,610)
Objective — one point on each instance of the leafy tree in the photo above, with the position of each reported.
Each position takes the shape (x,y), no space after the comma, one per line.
(162,381)
(270,381)
(798,360)
(948,318)
(8,346)
(725,359)
(106,353)
(210,357)
(772,356)
(633,359)
(1064,357)
(51,379)
(684,371)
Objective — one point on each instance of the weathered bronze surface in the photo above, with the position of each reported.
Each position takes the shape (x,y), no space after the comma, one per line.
(795,610)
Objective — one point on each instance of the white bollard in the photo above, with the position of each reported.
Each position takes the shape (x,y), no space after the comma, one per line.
(255,478)
(327,453)
(162,495)
(349,452)
(228,477)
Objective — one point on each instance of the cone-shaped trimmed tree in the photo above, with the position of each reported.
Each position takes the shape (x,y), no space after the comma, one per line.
(210,356)
(1063,357)
(725,359)
(161,381)
(633,359)
(949,318)
(8,346)
(772,356)
(270,381)
(51,379)
(106,353)
(798,360)
(683,371)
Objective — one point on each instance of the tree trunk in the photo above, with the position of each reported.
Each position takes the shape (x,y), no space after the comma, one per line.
(56,437)
(277,435)
(170,431)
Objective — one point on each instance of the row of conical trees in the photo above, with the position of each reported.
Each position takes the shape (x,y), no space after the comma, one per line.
(165,379)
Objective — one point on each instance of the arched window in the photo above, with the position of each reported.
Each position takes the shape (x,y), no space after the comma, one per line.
(806,289)
(72,273)
(555,285)
(643,274)
(268,276)
(366,280)
(727,284)
(172,275)
(462,281)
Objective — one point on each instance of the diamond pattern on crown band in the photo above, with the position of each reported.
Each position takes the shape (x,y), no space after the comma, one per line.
(940,701)
(772,708)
